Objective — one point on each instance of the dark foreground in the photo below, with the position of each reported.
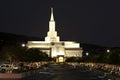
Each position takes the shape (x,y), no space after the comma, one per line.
(67,72)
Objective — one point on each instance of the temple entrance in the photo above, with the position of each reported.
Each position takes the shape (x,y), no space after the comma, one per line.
(60,59)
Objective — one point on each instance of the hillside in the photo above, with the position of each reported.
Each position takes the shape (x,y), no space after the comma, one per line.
(93,49)
(8,38)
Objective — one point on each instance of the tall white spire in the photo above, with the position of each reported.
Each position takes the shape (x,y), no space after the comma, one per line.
(52,33)
(52,17)
(52,22)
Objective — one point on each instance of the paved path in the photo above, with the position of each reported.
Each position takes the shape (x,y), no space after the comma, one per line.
(66,72)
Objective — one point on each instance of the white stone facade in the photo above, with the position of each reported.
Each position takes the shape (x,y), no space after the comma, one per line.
(53,46)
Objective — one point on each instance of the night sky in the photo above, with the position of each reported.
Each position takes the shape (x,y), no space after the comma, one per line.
(86,21)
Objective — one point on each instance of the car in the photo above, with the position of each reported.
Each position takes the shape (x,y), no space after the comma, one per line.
(7,67)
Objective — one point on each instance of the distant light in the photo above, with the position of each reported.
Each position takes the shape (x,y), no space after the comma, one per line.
(87,54)
(108,51)
(23,45)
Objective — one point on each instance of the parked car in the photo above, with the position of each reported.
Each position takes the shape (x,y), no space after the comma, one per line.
(7,67)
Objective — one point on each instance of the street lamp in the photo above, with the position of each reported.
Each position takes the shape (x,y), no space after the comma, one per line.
(87,54)
(23,45)
(108,50)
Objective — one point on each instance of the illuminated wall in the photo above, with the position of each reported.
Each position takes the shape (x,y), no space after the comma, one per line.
(57,49)
(53,46)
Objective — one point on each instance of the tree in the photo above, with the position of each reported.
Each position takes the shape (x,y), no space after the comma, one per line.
(34,55)
(12,53)
(73,59)
(115,56)
(18,53)
(104,58)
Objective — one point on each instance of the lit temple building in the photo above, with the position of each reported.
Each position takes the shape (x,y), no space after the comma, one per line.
(60,50)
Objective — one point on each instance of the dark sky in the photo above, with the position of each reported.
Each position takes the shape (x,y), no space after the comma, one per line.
(86,21)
